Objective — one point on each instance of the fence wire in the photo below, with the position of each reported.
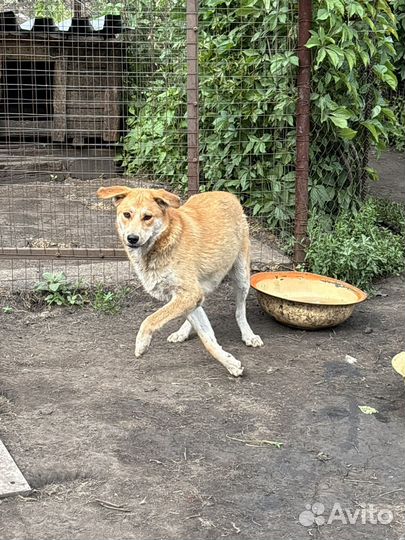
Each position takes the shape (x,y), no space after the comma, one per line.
(95,93)
(70,72)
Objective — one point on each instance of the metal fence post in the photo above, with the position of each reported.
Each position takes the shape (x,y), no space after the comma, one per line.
(192,97)
(303,129)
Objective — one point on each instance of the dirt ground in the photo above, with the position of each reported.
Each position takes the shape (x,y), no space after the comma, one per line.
(118,448)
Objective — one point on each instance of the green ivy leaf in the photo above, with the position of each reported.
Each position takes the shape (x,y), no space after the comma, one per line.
(313,41)
(339,121)
(323,14)
(347,133)
(267,5)
(372,173)
(354,8)
(384,6)
(375,111)
(388,113)
(372,129)
(390,78)
(335,55)
(364,57)
(320,194)
(351,58)
(343,112)
(294,60)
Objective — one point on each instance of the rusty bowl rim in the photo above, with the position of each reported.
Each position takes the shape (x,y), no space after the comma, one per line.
(260,276)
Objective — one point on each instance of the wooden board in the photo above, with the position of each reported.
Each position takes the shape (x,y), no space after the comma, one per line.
(12,482)
(59,102)
(112,115)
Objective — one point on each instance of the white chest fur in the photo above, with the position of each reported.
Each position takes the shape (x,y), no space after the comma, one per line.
(159,283)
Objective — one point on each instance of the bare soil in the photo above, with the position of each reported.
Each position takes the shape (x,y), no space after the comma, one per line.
(145,449)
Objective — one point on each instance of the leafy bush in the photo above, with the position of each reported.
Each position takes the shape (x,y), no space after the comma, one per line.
(353,54)
(399,11)
(248,99)
(55,9)
(390,215)
(58,291)
(360,248)
(244,93)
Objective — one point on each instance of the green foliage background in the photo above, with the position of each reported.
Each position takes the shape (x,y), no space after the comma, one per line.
(248,70)
(56,10)
(360,247)
(60,10)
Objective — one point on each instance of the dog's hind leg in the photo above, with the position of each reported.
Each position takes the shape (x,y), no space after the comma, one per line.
(202,326)
(240,274)
(182,333)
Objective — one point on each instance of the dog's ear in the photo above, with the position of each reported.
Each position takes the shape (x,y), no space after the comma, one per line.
(116,193)
(165,199)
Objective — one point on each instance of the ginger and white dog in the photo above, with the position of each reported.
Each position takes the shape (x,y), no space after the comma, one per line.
(181,254)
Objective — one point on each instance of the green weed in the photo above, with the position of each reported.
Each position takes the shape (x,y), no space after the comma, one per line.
(106,301)
(57,290)
(360,248)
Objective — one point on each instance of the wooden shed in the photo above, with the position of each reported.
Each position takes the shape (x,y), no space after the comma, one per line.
(63,84)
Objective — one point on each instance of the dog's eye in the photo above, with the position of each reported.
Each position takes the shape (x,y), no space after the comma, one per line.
(147,217)
(127,215)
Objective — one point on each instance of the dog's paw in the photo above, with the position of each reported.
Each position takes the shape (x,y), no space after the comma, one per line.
(236,371)
(233,366)
(253,340)
(178,337)
(142,345)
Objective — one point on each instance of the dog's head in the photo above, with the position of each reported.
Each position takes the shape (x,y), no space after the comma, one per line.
(142,214)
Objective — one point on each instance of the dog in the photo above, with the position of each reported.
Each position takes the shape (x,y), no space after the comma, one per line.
(181,253)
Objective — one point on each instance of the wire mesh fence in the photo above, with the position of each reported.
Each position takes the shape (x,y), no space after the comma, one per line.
(248,86)
(69,73)
(94,92)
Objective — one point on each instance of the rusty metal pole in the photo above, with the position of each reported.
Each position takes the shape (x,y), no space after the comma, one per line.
(192,98)
(303,128)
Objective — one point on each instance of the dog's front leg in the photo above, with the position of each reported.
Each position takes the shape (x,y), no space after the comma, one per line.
(180,305)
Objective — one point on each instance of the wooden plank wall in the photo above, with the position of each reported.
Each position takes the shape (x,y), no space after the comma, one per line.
(87,93)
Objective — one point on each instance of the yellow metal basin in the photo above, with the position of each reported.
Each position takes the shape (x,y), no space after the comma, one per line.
(306,300)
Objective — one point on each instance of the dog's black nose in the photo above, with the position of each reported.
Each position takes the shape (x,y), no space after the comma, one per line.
(132,239)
